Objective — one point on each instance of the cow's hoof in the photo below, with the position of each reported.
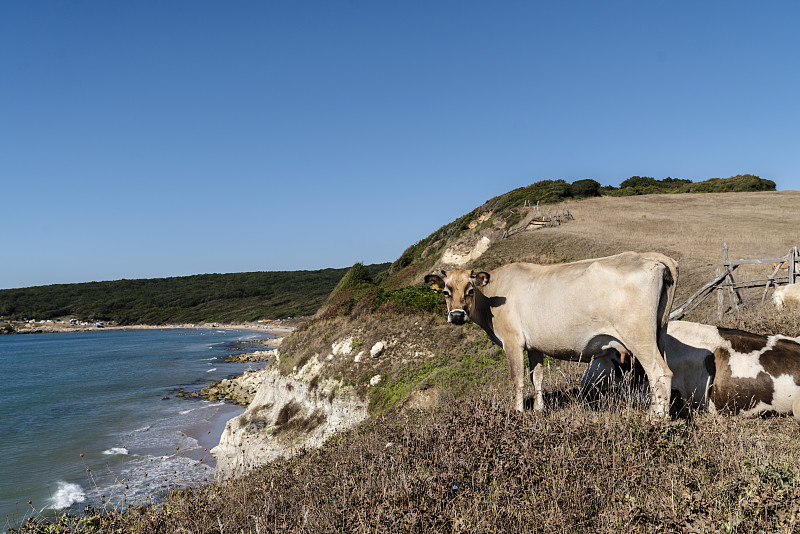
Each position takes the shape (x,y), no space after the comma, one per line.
(659,415)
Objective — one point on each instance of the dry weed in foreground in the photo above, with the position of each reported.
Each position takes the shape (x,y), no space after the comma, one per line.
(478,466)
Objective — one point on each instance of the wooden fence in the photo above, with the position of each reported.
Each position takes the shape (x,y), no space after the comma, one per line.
(537,218)
(725,283)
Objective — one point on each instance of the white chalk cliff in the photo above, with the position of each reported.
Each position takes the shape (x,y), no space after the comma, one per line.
(288,413)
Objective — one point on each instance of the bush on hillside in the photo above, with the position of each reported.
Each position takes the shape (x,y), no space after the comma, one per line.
(357,276)
(738,183)
(585,188)
(645,185)
(412,299)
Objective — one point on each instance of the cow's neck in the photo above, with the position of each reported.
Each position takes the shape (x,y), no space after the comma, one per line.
(482,315)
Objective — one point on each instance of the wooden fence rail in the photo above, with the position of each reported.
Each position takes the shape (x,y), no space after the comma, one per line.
(725,282)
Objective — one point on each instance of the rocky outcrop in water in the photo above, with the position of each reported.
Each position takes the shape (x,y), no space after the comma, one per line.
(239,390)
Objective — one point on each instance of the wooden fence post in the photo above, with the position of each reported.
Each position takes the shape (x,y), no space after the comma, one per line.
(734,295)
(720,298)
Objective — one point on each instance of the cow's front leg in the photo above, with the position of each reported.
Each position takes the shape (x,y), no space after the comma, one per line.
(516,365)
(536,363)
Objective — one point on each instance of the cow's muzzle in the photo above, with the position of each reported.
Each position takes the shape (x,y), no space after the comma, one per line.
(457,317)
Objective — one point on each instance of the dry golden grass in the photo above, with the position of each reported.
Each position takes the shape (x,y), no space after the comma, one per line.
(475,465)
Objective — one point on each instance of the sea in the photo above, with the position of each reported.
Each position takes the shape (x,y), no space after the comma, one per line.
(92,418)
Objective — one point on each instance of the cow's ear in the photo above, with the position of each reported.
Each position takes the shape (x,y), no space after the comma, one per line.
(434,282)
(481,279)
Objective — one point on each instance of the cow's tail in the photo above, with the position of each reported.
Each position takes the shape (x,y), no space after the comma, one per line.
(669,281)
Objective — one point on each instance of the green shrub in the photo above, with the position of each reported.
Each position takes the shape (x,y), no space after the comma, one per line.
(412,299)
(357,276)
(585,188)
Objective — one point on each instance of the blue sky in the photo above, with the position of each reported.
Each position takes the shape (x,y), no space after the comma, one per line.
(151,139)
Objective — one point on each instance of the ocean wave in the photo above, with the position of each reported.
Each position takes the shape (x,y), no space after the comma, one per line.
(116,450)
(66,495)
(146,477)
(211,370)
(167,472)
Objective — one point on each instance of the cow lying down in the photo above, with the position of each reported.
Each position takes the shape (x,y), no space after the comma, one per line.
(723,370)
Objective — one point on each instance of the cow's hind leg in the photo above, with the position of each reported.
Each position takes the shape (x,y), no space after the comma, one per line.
(536,363)
(659,376)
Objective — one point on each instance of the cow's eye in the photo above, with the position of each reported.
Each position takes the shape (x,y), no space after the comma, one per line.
(446,293)
(470,292)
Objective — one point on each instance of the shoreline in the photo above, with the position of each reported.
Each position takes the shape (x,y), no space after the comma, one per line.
(277,327)
(208,432)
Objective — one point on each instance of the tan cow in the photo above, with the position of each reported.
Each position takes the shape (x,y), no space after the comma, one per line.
(573,311)
(785,264)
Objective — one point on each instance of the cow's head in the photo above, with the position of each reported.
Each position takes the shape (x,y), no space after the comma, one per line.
(458,287)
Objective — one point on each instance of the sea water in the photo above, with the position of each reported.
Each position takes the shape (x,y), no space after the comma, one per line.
(83,419)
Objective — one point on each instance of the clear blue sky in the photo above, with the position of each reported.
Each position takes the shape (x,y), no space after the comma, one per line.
(150,139)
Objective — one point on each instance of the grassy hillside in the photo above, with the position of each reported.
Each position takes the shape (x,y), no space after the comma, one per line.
(467,462)
(188,299)
(510,211)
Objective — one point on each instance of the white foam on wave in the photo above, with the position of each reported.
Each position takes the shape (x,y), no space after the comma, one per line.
(115,450)
(144,477)
(211,370)
(66,495)
(167,472)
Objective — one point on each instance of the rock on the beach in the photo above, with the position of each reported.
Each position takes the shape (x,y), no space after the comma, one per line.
(239,390)
(257,356)
(375,380)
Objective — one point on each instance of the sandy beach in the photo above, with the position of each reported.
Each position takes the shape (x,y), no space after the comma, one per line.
(208,432)
(279,328)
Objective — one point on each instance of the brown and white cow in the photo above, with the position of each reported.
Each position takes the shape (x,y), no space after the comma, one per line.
(724,370)
(690,349)
(573,311)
